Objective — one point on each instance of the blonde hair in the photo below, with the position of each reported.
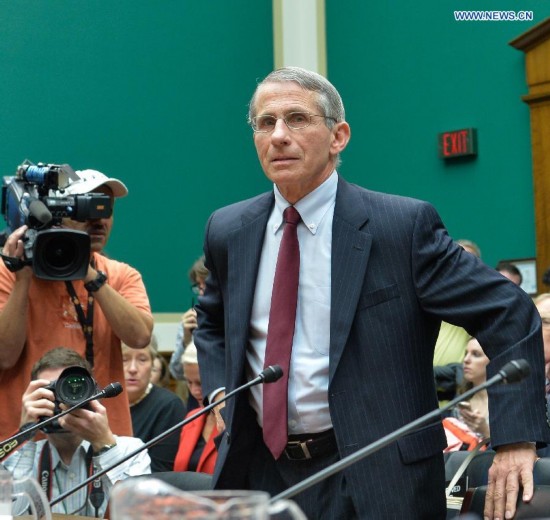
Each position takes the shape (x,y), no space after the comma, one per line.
(190,354)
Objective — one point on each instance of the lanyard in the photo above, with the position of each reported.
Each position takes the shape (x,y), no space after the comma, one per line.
(95,489)
(86,320)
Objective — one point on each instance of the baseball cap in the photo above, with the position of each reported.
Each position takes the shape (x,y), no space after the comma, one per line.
(92,179)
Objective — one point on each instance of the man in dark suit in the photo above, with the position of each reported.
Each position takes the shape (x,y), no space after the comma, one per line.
(377,275)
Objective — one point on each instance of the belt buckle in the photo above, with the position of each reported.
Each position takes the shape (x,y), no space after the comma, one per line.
(302,445)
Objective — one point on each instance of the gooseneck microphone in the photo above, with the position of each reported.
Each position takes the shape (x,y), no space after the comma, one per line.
(11,444)
(511,372)
(514,371)
(268,375)
(111,390)
(271,374)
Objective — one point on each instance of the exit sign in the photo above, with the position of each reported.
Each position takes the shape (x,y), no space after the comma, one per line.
(458,143)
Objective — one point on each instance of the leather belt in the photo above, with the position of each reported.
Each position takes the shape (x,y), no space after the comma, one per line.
(310,446)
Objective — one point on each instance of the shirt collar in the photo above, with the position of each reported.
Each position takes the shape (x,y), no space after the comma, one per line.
(56,459)
(312,207)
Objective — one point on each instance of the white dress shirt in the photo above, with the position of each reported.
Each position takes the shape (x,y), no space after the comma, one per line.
(25,463)
(308,379)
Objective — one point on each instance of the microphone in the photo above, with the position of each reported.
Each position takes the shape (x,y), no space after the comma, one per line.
(512,372)
(39,214)
(268,375)
(111,390)
(271,374)
(9,445)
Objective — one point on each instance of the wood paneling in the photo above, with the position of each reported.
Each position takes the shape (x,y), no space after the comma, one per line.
(535,43)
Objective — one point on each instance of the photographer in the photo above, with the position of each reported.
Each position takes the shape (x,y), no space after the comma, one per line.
(93,315)
(79,446)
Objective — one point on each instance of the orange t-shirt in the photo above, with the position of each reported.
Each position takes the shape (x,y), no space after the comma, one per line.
(53,322)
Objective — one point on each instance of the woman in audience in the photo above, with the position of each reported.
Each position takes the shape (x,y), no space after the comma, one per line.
(153,409)
(470,421)
(159,373)
(197,451)
(475,411)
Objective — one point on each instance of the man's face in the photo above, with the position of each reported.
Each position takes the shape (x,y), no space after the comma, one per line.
(98,229)
(297,161)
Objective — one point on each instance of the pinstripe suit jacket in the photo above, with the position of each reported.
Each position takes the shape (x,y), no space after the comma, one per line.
(395,275)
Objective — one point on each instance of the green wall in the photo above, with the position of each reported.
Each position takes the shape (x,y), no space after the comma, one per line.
(155,93)
(407,71)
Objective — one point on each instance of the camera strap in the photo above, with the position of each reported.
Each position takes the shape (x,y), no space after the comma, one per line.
(94,492)
(86,320)
(14,264)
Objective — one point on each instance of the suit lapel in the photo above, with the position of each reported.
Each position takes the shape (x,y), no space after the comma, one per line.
(244,251)
(350,252)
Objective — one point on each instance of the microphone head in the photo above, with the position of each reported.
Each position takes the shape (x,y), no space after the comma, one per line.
(39,212)
(271,374)
(112,390)
(515,371)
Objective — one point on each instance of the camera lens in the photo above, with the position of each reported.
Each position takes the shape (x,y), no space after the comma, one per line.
(74,385)
(61,254)
(74,389)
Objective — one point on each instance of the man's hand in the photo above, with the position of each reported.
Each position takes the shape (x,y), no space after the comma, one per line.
(14,248)
(38,402)
(189,322)
(220,423)
(512,469)
(92,425)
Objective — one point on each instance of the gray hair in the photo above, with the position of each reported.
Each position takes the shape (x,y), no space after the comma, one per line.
(329,101)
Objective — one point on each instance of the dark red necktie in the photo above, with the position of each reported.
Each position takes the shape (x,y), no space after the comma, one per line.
(280,332)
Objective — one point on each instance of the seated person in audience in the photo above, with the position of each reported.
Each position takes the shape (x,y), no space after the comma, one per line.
(197,276)
(510,271)
(475,411)
(542,302)
(197,451)
(160,375)
(470,421)
(76,446)
(153,409)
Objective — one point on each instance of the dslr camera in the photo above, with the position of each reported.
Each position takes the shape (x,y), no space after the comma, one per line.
(74,385)
(34,196)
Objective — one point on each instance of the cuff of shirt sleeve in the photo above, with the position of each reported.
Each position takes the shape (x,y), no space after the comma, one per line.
(213,394)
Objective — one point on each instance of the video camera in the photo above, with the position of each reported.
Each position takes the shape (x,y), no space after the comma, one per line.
(74,385)
(34,197)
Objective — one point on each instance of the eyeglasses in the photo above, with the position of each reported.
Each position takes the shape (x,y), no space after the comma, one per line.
(294,121)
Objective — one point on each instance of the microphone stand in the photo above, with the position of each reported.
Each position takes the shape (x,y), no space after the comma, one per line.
(269,375)
(393,436)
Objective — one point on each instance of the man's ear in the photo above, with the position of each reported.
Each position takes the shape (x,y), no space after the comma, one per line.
(341,134)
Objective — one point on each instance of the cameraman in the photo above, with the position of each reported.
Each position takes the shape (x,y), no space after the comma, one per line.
(92,315)
(79,446)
